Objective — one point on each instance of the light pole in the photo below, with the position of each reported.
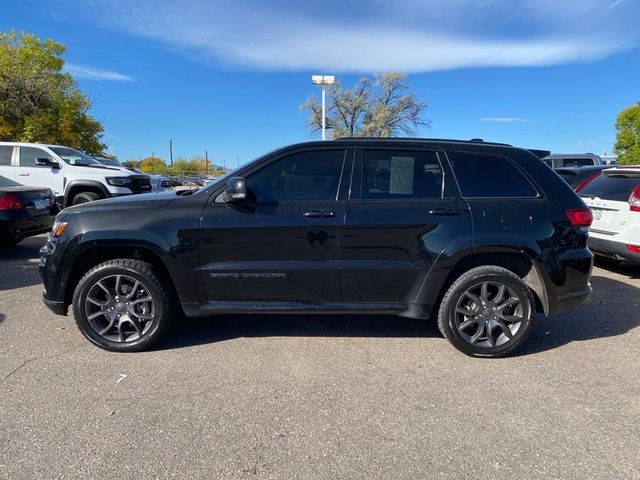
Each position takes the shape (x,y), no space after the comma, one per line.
(323,80)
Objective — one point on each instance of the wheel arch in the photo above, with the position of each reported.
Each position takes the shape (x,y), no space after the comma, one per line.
(97,254)
(517,261)
(76,186)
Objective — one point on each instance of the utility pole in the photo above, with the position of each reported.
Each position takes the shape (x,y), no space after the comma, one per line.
(206,160)
(171,151)
(237,162)
(323,81)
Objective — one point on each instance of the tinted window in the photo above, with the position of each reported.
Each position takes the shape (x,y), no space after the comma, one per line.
(5,155)
(301,176)
(489,176)
(611,188)
(401,174)
(577,162)
(28,156)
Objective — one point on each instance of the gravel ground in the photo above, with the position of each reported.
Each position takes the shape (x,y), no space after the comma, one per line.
(318,397)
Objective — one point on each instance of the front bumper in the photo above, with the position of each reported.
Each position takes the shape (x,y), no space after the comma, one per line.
(611,249)
(55,306)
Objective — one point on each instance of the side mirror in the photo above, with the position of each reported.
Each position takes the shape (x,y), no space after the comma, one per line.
(47,162)
(236,190)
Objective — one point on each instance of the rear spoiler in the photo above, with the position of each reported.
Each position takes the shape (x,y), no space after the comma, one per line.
(539,153)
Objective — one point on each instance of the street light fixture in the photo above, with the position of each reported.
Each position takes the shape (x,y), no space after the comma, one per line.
(323,80)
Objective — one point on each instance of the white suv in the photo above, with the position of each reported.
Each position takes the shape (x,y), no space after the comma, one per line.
(614,198)
(74,177)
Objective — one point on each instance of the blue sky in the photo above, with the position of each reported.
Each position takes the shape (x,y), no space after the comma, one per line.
(228,76)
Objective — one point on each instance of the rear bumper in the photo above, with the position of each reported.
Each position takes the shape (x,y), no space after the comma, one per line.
(569,300)
(55,306)
(20,228)
(611,249)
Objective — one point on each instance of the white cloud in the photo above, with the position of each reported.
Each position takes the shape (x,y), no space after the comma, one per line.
(615,4)
(505,120)
(364,36)
(88,73)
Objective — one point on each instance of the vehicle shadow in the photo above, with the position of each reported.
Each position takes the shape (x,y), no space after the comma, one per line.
(628,269)
(613,310)
(197,331)
(609,313)
(19,264)
(2,317)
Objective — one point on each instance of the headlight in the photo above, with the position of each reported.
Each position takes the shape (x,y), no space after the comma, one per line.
(119,181)
(58,228)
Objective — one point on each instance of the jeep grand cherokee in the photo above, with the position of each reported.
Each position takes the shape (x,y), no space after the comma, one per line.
(478,236)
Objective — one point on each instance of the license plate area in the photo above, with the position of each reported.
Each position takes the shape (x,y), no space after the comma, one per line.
(597,213)
(41,204)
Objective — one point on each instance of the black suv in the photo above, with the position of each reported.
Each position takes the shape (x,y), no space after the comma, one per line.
(479,236)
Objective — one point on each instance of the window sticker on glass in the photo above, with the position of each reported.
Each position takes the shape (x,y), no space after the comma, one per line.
(401,178)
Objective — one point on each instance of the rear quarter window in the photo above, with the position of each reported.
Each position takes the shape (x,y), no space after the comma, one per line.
(489,176)
(615,188)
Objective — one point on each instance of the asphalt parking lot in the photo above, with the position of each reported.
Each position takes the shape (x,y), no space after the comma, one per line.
(318,397)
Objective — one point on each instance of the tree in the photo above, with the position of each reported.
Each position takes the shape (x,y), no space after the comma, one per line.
(383,107)
(628,137)
(39,102)
(153,165)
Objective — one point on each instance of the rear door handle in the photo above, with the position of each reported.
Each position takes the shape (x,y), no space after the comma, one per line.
(319,214)
(445,211)
(23,174)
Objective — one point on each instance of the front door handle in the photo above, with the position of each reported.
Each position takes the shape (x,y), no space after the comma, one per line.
(319,214)
(23,174)
(445,211)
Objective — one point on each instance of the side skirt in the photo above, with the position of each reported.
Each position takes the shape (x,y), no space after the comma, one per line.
(214,308)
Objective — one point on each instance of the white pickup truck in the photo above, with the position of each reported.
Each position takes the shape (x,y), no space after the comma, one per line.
(73,176)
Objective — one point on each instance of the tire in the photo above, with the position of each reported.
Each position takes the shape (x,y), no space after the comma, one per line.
(139,308)
(506,309)
(85,197)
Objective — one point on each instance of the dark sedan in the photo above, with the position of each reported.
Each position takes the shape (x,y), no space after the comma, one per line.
(579,177)
(24,211)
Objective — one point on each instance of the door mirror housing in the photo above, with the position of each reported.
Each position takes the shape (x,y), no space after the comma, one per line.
(236,190)
(47,162)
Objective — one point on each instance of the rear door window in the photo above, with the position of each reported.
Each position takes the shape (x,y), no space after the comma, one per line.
(489,176)
(401,174)
(5,155)
(616,188)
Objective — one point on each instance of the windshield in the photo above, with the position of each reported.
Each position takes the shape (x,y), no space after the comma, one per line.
(74,157)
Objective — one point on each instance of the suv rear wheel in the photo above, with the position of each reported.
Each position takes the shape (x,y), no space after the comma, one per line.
(487,312)
(123,305)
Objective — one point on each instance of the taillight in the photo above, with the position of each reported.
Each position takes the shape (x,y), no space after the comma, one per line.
(633,248)
(580,218)
(8,201)
(634,200)
(586,181)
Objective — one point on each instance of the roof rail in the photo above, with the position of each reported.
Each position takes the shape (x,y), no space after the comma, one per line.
(418,139)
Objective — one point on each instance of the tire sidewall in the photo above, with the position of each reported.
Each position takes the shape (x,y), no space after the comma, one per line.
(461,286)
(82,291)
(86,196)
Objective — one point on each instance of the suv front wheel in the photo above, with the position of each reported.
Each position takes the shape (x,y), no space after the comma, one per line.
(487,312)
(123,305)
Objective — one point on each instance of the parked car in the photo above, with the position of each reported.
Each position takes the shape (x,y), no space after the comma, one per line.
(614,198)
(24,211)
(579,177)
(559,160)
(73,176)
(160,184)
(475,235)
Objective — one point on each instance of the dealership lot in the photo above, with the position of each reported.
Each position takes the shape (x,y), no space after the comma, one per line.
(318,397)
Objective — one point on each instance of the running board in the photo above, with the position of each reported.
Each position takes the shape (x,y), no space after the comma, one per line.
(220,307)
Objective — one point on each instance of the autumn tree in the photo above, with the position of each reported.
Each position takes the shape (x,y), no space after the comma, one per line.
(628,137)
(379,107)
(39,101)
